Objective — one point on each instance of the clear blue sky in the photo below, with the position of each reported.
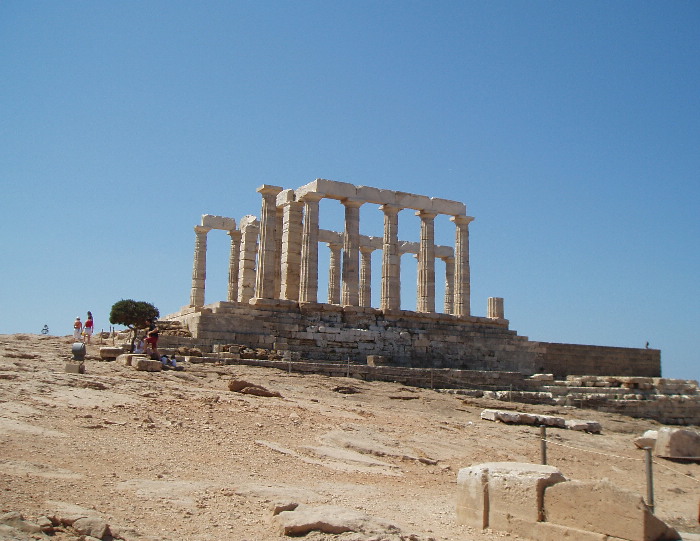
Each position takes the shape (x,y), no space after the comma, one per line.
(571,130)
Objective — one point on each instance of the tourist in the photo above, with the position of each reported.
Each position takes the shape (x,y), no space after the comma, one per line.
(89,326)
(138,345)
(77,329)
(152,339)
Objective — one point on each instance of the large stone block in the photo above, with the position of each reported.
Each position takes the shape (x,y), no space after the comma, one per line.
(677,443)
(517,490)
(109,353)
(146,365)
(491,494)
(603,508)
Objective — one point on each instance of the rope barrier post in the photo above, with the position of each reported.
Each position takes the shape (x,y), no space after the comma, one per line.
(543,444)
(650,479)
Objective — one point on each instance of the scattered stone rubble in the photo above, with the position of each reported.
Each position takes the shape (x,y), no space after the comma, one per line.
(515,417)
(13,525)
(538,502)
(671,443)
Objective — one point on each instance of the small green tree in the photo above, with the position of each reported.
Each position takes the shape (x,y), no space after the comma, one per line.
(133,315)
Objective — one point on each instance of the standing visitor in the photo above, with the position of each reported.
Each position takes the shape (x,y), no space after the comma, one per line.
(77,329)
(152,339)
(89,326)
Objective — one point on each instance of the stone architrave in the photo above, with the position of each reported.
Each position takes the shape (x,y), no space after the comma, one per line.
(449,284)
(351,247)
(462,299)
(291,250)
(334,274)
(250,228)
(391,260)
(233,263)
(199,268)
(308,276)
(366,276)
(265,282)
(426,263)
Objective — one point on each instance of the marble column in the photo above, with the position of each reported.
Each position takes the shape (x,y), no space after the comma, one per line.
(391,260)
(265,281)
(351,247)
(334,273)
(199,268)
(449,284)
(279,223)
(250,227)
(308,276)
(462,299)
(426,262)
(234,256)
(291,250)
(366,276)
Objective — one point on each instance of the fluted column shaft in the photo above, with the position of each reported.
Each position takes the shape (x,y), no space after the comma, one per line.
(291,250)
(308,277)
(334,274)
(462,300)
(250,228)
(366,276)
(233,264)
(199,267)
(391,286)
(279,223)
(265,282)
(426,262)
(449,284)
(351,246)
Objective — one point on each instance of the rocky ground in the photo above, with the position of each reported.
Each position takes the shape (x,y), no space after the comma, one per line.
(178,456)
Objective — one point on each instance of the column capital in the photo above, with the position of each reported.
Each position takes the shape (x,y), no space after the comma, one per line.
(351,202)
(311,197)
(448,259)
(426,214)
(234,233)
(389,209)
(201,229)
(268,189)
(365,249)
(461,219)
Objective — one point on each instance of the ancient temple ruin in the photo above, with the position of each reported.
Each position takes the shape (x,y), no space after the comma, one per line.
(273,293)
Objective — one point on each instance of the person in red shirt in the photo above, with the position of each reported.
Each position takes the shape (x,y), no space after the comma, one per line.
(89,327)
(77,328)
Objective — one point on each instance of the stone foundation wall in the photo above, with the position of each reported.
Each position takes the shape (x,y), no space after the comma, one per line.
(325,332)
(572,359)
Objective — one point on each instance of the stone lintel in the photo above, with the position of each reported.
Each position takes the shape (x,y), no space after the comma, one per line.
(218,222)
(269,189)
(343,190)
(201,229)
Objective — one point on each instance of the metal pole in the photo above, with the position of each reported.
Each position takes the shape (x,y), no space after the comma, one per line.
(543,444)
(650,479)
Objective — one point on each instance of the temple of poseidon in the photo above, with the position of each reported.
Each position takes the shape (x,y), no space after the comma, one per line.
(273,297)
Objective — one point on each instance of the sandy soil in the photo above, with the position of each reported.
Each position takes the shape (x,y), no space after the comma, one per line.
(176,455)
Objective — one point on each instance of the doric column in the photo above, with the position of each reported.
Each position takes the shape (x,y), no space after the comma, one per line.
(462,299)
(235,235)
(308,276)
(265,282)
(334,273)
(426,262)
(391,259)
(278,253)
(199,268)
(250,228)
(366,275)
(291,250)
(449,284)
(495,308)
(351,246)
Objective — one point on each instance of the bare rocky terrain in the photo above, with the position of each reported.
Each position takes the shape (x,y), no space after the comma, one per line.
(178,456)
